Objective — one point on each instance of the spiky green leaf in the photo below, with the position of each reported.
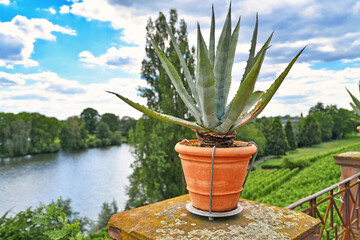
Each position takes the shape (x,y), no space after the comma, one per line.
(212,38)
(176,81)
(221,61)
(242,96)
(187,73)
(205,84)
(356,110)
(233,44)
(251,61)
(159,116)
(355,100)
(254,98)
(266,97)
(265,46)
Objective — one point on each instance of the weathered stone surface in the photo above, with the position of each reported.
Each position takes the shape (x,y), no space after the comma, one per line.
(170,220)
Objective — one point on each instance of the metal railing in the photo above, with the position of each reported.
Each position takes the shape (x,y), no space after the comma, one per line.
(348,195)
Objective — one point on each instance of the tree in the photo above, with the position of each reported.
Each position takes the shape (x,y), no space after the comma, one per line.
(157,170)
(103,133)
(16,137)
(91,117)
(290,135)
(319,107)
(112,121)
(73,134)
(343,121)
(276,143)
(107,210)
(116,138)
(126,124)
(326,125)
(44,131)
(310,132)
(251,132)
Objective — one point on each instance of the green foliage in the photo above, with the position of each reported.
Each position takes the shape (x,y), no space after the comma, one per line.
(251,132)
(54,221)
(44,131)
(112,121)
(73,134)
(91,117)
(53,215)
(103,133)
(99,235)
(157,173)
(319,107)
(116,138)
(276,141)
(131,136)
(326,125)
(262,183)
(322,173)
(343,121)
(126,124)
(290,135)
(17,136)
(107,210)
(310,132)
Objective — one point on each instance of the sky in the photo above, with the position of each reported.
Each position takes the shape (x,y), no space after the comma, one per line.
(59,57)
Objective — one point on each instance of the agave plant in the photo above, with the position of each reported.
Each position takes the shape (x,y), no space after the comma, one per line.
(356,103)
(216,121)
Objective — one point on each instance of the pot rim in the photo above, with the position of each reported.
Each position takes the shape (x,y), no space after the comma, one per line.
(181,148)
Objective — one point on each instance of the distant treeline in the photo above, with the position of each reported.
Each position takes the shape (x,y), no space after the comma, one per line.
(276,136)
(33,133)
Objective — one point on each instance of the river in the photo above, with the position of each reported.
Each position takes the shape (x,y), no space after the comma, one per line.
(88,177)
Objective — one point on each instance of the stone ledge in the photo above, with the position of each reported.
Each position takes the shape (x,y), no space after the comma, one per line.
(169,219)
(348,159)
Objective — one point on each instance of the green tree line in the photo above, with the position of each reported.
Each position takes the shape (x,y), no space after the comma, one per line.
(32,133)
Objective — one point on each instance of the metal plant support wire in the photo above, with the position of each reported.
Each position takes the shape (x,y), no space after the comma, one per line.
(233,212)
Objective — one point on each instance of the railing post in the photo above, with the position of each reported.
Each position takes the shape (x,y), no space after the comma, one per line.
(346,212)
(350,165)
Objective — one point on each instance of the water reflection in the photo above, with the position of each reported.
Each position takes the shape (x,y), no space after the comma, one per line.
(88,177)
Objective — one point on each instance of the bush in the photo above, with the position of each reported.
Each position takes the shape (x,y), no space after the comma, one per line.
(44,222)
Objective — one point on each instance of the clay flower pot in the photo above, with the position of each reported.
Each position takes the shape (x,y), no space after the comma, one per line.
(358,128)
(230,166)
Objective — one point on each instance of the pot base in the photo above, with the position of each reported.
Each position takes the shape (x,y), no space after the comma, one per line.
(211,215)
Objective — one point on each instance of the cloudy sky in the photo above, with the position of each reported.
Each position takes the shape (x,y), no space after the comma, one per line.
(58,57)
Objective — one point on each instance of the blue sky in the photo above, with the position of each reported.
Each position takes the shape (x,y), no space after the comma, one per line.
(59,57)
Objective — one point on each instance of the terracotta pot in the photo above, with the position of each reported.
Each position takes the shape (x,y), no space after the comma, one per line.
(230,166)
(358,128)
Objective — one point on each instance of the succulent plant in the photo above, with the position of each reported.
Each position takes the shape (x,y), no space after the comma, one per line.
(356,103)
(216,121)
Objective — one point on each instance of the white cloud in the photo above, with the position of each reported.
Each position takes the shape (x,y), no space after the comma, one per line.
(125,58)
(64,9)
(132,21)
(18,36)
(52,10)
(304,87)
(5,2)
(52,95)
(266,6)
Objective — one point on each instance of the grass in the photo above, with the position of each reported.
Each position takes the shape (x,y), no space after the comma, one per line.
(271,163)
(316,149)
